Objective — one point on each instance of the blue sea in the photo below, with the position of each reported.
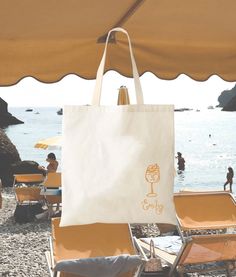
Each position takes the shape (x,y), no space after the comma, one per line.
(206,140)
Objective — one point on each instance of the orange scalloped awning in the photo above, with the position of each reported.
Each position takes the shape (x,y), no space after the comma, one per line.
(48,39)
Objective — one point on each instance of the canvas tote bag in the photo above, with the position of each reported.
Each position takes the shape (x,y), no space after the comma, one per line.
(117,161)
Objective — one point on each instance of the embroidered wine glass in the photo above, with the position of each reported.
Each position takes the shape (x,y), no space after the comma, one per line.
(152,176)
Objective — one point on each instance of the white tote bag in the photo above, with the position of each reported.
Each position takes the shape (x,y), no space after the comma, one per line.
(117,161)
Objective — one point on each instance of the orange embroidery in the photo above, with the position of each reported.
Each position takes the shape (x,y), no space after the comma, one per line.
(152,176)
(153,205)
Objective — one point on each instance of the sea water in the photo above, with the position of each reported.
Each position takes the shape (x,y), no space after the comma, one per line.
(206,140)
(39,124)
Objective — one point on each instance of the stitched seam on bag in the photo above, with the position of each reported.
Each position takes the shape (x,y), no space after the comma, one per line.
(130,108)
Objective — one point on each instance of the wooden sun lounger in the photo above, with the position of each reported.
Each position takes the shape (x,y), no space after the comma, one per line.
(87,241)
(28,178)
(206,249)
(212,210)
(202,211)
(205,210)
(28,193)
(52,183)
(199,250)
(52,180)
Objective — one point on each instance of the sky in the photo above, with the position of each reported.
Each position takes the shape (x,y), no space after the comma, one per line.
(183,92)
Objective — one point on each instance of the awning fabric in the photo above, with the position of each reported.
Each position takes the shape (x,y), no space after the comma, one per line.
(48,39)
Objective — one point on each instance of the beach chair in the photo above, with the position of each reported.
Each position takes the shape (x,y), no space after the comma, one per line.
(52,191)
(89,245)
(204,213)
(53,180)
(25,191)
(28,197)
(205,210)
(215,252)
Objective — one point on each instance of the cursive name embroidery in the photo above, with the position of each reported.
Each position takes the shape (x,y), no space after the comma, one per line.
(152,205)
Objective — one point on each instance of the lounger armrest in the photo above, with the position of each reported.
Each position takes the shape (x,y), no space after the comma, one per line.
(51,252)
(140,250)
(48,258)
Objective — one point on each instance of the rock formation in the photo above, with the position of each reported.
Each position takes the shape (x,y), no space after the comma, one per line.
(6,118)
(226,96)
(8,156)
(231,105)
(26,167)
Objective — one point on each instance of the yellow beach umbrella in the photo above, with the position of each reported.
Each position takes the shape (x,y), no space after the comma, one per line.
(48,39)
(50,143)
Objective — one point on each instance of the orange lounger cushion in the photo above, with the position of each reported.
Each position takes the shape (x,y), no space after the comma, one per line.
(28,178)
(93,240)
(203,249)
(205,210)
(28,194)
(90,241)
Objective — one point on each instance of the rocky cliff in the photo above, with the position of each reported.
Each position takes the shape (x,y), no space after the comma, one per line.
(226,96)
(8,156)
(6,118)
(231,105)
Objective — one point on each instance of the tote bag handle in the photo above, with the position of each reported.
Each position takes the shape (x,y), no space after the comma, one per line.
(98,86)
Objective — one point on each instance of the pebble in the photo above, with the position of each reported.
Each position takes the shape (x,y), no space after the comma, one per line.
(22,246)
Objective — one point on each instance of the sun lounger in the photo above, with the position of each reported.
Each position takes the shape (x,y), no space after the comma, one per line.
(29,200)
(205,210)
(25,193)
(199,250)
(28,179)
(28,194)
(207,249)
(91,248)
(52,191)
(53,180)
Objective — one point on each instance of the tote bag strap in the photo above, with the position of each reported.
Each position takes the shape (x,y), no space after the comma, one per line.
(98,86)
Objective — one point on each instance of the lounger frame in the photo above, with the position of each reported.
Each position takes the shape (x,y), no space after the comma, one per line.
(28,194)
(51,261)
(209,220)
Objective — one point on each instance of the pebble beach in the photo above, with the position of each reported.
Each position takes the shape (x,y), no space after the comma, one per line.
(22,246)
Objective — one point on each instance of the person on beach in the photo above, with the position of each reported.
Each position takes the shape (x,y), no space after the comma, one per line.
(229,177)
(181,161)
(52,163)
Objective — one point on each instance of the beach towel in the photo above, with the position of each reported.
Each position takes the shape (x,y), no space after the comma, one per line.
(118,161)
(105,266)
(170,244)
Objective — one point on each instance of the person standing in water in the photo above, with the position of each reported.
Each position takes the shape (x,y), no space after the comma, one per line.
(229,179)
(181,161)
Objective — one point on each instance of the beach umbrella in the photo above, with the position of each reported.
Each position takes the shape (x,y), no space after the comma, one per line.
(51,143)
(48,39)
